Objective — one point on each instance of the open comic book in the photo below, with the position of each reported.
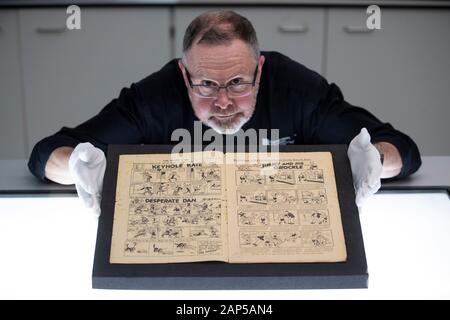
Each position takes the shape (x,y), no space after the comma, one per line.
(224,207)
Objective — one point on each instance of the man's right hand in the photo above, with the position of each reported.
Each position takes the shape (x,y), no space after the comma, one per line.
(87,166)
(366,166)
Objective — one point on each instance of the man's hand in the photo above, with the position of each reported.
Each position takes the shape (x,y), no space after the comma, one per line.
(366,166)
(87,166)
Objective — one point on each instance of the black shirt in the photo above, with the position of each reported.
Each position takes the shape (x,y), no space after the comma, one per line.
(292,98)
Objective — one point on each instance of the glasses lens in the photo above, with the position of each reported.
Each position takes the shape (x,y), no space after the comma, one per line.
(206,91)
(239,89)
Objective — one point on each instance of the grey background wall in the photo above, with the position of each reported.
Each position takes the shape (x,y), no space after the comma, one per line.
(52,77)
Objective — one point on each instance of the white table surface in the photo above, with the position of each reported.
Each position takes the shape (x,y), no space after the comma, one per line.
(47,248)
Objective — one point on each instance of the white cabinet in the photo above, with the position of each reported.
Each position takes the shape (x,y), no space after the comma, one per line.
(12,126)
(295,32)
(401,73)
(52,77)
(69,75)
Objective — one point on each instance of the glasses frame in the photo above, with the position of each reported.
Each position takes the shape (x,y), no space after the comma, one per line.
(192,85)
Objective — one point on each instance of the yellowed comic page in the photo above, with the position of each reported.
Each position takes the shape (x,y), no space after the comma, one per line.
(285,210)
(169,210)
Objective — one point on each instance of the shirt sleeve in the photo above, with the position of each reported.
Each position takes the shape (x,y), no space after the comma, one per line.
(335,121)
(119,122)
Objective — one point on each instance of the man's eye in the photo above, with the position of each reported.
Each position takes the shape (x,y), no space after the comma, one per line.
(236,81)
(208,83)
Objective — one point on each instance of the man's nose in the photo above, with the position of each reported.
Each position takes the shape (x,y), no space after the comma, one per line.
(222,99)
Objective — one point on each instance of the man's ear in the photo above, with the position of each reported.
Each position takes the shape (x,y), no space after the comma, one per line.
(180,65)
(261,61)
(183,72)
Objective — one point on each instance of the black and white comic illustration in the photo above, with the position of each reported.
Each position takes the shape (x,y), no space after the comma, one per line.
(286,209)
(173,211)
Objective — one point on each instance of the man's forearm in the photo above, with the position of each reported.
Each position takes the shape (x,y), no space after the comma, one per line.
(393,163)
(57,167)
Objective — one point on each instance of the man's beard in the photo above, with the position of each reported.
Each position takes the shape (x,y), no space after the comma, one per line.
(228,126)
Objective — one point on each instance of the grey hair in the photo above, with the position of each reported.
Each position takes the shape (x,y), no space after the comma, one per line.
(220,27)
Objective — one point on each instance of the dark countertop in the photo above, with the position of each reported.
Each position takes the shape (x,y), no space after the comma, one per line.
(434,174)
(381,3)
(15,178)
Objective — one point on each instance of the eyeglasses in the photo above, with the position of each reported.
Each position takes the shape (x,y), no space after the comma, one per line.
(211,90)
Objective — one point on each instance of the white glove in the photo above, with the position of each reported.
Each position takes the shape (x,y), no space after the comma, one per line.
(87,166)
(366,166)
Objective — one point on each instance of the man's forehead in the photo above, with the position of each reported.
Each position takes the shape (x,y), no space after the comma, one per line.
(223,60)
(221,73)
